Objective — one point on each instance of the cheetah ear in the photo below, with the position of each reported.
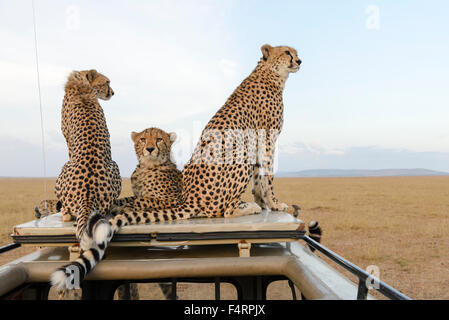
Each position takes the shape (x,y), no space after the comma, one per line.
(172,136)
(134,135)
(91,75)
(266,48)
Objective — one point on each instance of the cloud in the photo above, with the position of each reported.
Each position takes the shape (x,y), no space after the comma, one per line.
(314,147)
(23,158)
(172,63)
(366,157)
(153,52)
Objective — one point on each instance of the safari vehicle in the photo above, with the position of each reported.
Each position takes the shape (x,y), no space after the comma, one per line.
(247,252)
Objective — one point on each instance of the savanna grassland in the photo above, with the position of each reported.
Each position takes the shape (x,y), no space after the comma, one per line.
(399,224)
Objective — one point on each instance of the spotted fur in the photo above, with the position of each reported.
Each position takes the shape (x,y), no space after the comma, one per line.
(90,181)
(212,187)
(156,182)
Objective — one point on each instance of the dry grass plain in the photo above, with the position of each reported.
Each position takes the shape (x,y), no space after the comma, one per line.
(400,224)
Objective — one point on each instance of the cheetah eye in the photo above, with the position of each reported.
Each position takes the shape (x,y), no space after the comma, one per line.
(158,139)
(288,53)
(143,139)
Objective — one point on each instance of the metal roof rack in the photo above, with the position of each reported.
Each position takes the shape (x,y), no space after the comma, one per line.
(268,228)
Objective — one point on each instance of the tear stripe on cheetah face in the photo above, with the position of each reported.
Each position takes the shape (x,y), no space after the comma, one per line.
(153,146)
(281,60)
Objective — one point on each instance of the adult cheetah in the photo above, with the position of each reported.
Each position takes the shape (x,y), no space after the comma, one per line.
(90,181)
(236,146)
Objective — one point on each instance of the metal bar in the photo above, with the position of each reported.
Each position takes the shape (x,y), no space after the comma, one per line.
(226,235)
(292,287)
(127,292)
(173,289)
(293,234)
(217,288)
(362,291)
(382,287)
(9,247)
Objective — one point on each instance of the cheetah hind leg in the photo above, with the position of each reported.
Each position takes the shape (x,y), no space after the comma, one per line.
(47,207)
(66,215)
(244,209)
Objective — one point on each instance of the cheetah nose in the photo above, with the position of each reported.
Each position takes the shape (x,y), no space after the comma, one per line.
(150,150)
(298,62)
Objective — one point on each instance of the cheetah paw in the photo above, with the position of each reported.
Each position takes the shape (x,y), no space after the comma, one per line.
(280,206)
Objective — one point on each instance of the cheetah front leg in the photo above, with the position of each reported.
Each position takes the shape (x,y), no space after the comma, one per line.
(271,201)
(264,176)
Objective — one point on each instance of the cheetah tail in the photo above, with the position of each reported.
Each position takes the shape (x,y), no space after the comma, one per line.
(71,275)
(315,232)
(130,215)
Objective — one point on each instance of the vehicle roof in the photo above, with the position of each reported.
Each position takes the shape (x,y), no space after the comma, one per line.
(264,227)
(187,249)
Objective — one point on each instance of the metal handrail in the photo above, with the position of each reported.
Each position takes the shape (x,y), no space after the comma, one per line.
(362,275)
(362,291)
(9,247)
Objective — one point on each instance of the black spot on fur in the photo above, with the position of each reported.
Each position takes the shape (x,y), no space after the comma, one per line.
(95,254)
(86,263)
(92,222)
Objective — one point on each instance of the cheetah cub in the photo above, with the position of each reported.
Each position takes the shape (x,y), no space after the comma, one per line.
(156,182)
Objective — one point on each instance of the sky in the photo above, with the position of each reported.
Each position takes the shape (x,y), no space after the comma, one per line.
(372,91)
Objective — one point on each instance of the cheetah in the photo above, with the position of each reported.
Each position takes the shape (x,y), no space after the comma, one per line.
(156,182)
(236,146)
(90,181)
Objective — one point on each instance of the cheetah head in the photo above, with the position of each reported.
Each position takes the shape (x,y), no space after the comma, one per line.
(99,84)
(282,60)
(153,146)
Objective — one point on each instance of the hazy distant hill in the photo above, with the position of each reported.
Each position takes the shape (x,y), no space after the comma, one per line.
(361,173)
